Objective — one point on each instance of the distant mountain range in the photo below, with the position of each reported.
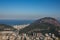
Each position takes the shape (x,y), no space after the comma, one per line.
(44,25)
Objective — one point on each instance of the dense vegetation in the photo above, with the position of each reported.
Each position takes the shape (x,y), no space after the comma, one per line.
(47,27)
(5,27)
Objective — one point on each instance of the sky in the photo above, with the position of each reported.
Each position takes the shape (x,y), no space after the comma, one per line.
(29,9)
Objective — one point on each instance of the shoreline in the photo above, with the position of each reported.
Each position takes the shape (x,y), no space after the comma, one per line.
(20,26)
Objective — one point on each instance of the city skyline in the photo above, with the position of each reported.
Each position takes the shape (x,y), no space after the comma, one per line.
(29,9)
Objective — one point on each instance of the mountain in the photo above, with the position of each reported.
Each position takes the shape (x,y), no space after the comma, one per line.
(46,24)
(4,27)
(59,20)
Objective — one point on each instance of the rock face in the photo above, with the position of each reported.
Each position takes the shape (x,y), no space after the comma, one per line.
(46,23)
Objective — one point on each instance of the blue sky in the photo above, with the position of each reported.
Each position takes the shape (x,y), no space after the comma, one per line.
(29,9)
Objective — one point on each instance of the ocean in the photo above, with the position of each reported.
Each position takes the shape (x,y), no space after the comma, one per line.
(16,22)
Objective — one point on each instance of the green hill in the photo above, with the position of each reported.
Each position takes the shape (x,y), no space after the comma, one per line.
(46,24)
(6,27)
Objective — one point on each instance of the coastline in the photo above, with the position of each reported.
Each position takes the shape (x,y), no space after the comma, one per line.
(18,27)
